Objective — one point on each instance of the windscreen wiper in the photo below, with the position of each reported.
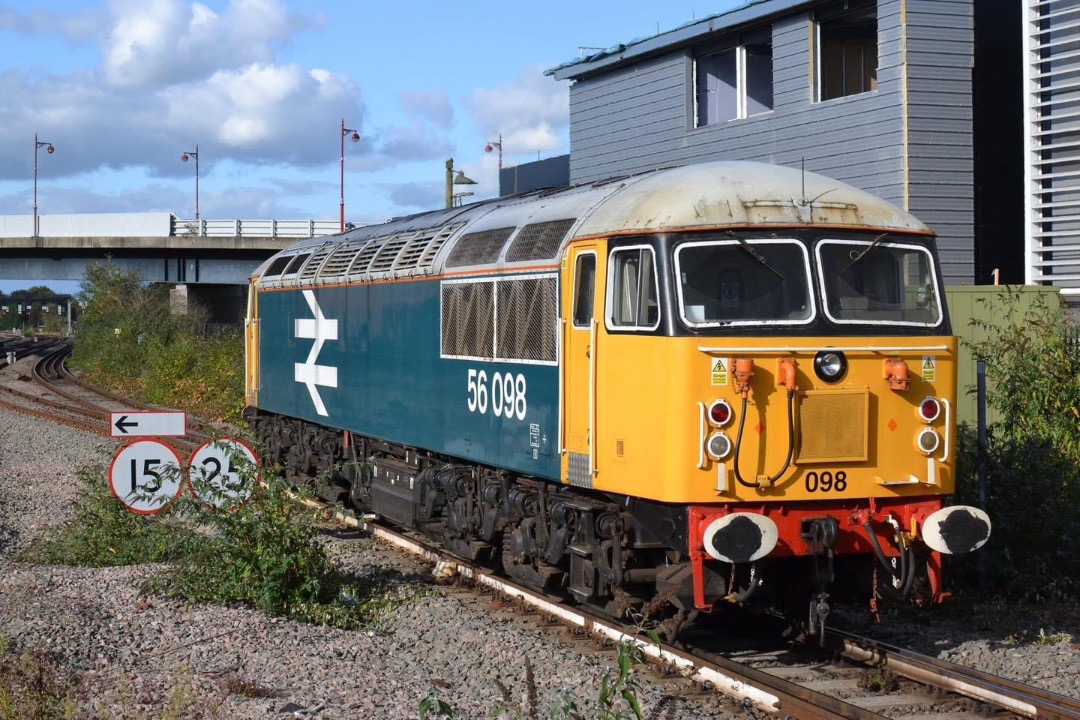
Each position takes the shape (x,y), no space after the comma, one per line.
(755,254)
(860,256)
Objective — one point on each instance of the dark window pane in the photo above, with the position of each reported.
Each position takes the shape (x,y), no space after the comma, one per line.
(717,93)
(848,49)
(584,287)
(759,81)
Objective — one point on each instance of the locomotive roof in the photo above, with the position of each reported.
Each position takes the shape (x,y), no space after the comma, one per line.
(530,230)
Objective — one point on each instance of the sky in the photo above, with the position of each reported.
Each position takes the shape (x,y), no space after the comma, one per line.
(123,88)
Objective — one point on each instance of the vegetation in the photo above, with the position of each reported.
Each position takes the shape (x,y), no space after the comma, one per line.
(128,338)
(1032,459)
(31,688)
(263,553)
(103,534)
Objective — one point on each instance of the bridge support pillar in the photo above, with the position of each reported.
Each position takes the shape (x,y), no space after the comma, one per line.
(178,299)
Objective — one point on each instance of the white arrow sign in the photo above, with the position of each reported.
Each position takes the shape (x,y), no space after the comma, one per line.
(145,476)
(139,423)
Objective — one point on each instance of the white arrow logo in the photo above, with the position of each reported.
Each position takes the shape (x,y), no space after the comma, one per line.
(320,330)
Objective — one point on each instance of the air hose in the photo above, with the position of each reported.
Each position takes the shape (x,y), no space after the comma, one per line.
(791,442)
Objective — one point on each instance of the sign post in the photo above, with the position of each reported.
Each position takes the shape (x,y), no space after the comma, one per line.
(145,476)
(224,472)
(139,423)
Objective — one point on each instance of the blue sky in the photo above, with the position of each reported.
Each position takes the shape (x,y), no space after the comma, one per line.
(122,88)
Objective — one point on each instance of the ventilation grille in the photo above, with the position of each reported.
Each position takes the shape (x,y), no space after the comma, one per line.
(833,426)
(468,319)
(388,253)
(527,311)
(338,262)
(479,248)
(363,258)
(316,261)
(539,241)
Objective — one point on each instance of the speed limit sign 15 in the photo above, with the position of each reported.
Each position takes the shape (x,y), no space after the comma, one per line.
(145,476)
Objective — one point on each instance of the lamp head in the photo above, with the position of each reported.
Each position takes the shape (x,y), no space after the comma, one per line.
(355,137)
(488,148)
(50,149)
(184,157)
(462,179)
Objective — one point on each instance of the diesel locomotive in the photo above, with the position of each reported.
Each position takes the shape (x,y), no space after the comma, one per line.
(718,383)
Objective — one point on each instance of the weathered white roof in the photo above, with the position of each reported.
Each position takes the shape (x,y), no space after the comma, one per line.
(728,193)
(532,230)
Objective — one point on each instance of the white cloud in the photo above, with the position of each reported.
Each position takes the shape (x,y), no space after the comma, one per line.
(529,113)
(430,105)
(170,41)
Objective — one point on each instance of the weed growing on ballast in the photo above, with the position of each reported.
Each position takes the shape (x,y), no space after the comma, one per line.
(102,533)
(879,681)
(31,688)
(263,552)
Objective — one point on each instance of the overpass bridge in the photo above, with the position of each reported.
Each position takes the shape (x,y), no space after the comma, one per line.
(207,260)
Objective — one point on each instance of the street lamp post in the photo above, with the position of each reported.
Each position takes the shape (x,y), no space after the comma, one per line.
(38,144)
(495,145)
(194,154)
(355,136)
(452,180)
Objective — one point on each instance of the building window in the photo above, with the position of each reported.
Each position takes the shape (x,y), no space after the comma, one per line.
(735,82)
(847,52)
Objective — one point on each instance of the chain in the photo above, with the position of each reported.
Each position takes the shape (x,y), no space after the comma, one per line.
(873,595)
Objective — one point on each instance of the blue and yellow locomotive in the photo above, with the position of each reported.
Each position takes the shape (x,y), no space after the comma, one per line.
(692,381)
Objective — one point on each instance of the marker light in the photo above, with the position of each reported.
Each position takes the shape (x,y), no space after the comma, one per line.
(929,409)
(928,441)
(897,374)
(719,446)
(720,413)
(830,365)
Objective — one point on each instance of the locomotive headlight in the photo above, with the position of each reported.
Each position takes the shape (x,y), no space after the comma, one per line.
(929,409)
(718,446)
(928,441)
(830,365)
(720,413)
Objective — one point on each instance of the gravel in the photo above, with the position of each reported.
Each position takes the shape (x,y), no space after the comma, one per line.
(146,657)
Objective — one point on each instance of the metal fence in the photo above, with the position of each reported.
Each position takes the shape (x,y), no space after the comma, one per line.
(254,228)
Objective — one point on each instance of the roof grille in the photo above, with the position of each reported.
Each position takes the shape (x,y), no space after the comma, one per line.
(384,259)
(316,260)
(338,262)
(539,241)
(479,248)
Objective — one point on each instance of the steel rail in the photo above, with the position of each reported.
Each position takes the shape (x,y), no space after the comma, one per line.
(1016,697)
(52,364)
(750,686)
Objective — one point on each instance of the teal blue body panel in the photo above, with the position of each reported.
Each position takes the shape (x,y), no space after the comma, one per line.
(382,342)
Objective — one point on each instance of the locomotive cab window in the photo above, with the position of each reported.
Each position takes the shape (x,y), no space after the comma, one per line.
(632,302)
(744,282)
(874,281)
(584,288)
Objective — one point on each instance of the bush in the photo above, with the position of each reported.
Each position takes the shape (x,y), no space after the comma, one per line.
(129,339)
(103,533)
(264,553)
(1033,457)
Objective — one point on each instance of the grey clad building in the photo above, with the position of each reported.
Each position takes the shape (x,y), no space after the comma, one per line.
(916,101)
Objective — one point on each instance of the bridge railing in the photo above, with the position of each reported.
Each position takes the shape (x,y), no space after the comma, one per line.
(254,228)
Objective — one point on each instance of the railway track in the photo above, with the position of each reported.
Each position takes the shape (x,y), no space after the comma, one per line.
(48,390)
(856,678)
